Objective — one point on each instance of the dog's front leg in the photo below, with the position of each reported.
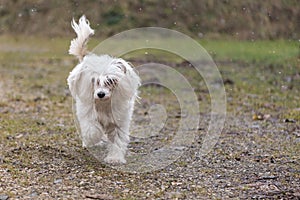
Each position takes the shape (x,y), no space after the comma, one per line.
(91,134)
(118,146)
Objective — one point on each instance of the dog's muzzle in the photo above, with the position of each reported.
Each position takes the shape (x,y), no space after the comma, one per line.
(101,95)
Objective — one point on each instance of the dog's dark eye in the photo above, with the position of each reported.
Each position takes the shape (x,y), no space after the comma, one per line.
(111,82)
(115,81)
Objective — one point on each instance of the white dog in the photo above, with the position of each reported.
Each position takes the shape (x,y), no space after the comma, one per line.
(104,89)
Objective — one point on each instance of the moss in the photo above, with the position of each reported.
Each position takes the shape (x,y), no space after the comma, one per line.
(293,114)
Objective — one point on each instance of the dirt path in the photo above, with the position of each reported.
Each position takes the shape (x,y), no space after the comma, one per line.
(42,158)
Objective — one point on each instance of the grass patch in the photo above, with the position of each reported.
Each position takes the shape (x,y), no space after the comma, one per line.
(260,52)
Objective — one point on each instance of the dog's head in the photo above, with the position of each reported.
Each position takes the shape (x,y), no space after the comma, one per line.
(104,85)
(98,77)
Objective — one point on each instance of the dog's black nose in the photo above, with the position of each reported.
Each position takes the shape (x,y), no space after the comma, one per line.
(101,95)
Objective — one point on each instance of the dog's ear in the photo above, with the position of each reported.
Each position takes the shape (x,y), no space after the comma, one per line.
(80,84)
(122,67)
(73,79)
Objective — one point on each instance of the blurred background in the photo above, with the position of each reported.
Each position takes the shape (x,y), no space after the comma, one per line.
(255,45)
(245,19)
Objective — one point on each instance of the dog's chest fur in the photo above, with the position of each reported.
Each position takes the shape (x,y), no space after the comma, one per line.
(105,117)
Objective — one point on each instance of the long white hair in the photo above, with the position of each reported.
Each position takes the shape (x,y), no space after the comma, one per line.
(83,31)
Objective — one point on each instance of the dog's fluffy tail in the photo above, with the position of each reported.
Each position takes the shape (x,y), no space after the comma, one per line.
(83,30)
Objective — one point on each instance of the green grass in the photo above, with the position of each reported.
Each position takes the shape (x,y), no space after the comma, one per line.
(261,52)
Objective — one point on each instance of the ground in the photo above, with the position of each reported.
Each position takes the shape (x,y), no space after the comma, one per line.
(256,156)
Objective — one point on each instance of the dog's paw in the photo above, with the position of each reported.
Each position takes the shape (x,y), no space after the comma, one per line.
(114,160)
(83,145)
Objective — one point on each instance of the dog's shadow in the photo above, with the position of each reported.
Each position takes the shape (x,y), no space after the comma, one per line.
(65,159)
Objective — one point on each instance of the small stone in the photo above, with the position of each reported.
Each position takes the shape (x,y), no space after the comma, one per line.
(176,183)
(34,194)
(3,197)
(57,181)
(126,190)
(257,117)
(289,121)
(19,136)
(296,194)
(179,148)
(297,133)
(99,196)
(174,195)
(83,183)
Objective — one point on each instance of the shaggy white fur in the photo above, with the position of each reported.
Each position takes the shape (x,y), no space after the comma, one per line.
(104,89)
